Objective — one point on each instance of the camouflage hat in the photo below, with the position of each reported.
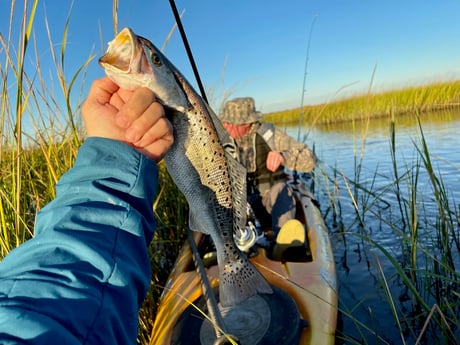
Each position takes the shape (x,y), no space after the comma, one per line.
(239,111)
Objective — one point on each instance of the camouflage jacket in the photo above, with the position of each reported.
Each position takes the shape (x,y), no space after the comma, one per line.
(297,156)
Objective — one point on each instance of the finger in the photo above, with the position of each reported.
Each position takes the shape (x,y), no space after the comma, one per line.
(158,148)
(103,89)
(100,93)
(118,101)
(269,164)
(125,95)
(107,84)
(274,160)
(161,130)
(146,122)
(135,106)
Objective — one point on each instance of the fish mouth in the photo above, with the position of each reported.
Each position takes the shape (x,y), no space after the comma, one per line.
(121,51)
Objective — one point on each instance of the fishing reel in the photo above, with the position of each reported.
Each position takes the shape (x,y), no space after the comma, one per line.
(252,233)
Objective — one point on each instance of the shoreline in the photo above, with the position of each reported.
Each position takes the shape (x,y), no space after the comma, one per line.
(421,99)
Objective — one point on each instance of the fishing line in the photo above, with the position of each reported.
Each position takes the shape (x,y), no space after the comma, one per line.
(187,48)
(305,76)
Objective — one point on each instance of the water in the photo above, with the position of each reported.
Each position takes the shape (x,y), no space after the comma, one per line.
(362,269)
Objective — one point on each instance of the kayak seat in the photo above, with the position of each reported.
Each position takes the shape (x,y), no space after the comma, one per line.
(290,244)
(263,319)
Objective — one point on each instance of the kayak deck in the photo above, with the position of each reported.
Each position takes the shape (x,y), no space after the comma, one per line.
(311,285)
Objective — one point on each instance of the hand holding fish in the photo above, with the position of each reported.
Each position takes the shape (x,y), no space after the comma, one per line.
(130,116)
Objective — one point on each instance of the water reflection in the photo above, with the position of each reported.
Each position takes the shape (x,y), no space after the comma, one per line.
(401,122)
(359,173)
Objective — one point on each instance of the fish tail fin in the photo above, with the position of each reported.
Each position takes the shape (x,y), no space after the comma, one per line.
(240,280)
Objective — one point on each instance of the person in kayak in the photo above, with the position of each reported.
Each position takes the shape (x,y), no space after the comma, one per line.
(265,151)
(83,276)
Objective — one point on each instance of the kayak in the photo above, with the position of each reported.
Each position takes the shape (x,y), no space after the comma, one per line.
(298,264)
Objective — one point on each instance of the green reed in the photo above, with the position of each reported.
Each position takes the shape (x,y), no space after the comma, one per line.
(428,310)
(436,96)
(40,137)
(41,131)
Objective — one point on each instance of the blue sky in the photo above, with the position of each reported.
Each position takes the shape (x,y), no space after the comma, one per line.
(258,48)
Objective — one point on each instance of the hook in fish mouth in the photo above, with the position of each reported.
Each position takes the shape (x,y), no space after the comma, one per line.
(121,52)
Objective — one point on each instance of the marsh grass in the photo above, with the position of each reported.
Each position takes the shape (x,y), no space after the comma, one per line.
(421,99)
(426,308)
(41,132)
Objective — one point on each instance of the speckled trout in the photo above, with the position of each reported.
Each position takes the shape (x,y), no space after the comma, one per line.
(200,164)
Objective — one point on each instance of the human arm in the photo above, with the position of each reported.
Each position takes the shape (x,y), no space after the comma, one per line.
(296,156)
(83,276)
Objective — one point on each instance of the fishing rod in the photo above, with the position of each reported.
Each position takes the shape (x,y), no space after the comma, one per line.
(221,333)
(189,51)
(211,302)
(305,76)
(220,330)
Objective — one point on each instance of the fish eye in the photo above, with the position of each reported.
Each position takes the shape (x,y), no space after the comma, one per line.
(155,59)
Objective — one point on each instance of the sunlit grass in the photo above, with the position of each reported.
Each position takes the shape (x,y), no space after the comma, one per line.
(39,127)
(41,131)
(436,96)
(427,308)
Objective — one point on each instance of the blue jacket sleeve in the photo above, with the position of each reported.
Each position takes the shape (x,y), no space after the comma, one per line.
(84,275)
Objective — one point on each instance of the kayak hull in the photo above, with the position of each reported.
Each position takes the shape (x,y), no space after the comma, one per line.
(312,285)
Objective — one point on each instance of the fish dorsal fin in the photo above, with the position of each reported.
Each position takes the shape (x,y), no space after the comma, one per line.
(237,172)
(222,133)
(239,190)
